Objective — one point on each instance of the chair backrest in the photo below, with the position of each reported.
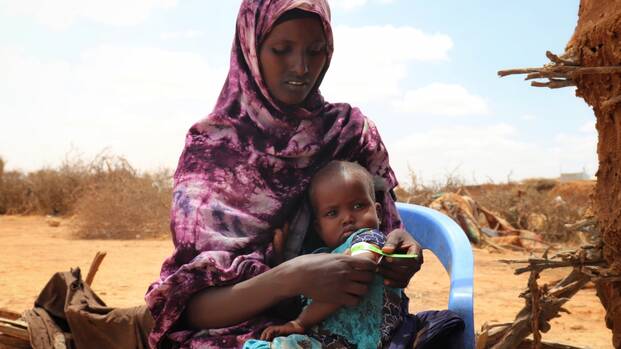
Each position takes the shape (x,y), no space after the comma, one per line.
(436,232)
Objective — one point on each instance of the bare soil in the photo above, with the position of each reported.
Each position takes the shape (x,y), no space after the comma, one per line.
(31,251)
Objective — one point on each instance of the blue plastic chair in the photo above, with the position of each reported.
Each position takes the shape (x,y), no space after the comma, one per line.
(436,232)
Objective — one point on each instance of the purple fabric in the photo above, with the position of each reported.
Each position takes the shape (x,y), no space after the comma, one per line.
(244,167)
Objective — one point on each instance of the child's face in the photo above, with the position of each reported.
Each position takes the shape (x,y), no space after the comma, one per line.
(292,57)
(343,204)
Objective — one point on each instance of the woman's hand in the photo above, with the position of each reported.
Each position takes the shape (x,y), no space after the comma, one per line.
(397,272)
(329,278)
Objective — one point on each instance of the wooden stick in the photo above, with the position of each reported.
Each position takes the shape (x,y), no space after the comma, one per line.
(542,75)
(512,336)
(8,342)
(539,263)
(553,83)
(17,329)
(490,326)
(535,297)
(99,256)
(8,314)
(563,69)
(506,72)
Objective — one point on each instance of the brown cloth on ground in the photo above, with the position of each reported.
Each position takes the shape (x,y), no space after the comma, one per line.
(68,314)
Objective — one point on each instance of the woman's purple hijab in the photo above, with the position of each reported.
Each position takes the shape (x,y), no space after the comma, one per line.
(243,172)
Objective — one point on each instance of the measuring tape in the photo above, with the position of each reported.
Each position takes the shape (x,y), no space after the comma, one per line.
(365,246)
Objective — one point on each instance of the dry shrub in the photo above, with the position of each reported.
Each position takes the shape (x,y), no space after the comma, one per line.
(421,194)
(108,197)
(516,202)
(46,191)
(14,194)
(561,203)
(119,203)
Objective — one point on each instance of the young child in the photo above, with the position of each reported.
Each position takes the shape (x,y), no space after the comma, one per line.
(342,196)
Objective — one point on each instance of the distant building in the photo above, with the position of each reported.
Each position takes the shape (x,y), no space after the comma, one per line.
(575,176)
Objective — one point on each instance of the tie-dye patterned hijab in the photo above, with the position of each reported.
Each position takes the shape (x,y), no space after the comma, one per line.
(243,172)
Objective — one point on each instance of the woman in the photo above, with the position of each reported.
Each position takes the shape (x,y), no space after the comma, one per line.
(243,174)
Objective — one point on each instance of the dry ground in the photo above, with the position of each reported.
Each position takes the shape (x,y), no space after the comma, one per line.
(31,251)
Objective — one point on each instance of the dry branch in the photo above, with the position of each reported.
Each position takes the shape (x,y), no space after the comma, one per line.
(99,256)
(14,328)
(535,294)
(540,264)
(561,72)
(554,83)
(8,342)
(8,314)
(506,72)
(541,75)
(13,332)
(512,336)
(544,303)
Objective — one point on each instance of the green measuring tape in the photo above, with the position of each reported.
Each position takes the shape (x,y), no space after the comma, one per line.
(365,246)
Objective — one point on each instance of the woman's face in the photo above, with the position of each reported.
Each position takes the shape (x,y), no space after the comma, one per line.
(291,58)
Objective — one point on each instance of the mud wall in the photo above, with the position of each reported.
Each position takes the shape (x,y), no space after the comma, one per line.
(595,43)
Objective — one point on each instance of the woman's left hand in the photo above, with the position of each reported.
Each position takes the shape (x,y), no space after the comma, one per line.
(397,272)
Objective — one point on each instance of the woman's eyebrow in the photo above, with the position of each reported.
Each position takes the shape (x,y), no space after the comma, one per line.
(283,41)
(288,41)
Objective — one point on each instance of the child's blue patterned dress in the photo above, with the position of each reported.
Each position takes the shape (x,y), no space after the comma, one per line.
(366,326)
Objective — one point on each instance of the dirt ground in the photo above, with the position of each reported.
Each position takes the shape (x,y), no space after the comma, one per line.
(31,251)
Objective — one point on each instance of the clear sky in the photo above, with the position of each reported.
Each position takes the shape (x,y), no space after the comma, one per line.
(132,76)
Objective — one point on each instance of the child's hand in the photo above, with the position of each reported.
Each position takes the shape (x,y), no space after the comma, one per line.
(275,331)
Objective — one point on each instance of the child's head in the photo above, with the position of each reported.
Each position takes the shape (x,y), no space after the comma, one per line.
(342,196)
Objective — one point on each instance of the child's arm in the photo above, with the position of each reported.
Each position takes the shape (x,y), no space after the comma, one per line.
(312,315)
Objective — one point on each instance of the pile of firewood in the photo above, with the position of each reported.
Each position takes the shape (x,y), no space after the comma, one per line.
(14,331)
(543,303)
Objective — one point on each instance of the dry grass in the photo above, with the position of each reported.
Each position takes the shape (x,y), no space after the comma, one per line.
(108,197)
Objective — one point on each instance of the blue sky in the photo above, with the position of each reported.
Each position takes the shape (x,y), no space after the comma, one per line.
(132,77)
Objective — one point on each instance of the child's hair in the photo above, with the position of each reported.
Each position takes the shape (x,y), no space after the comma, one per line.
(339,168)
